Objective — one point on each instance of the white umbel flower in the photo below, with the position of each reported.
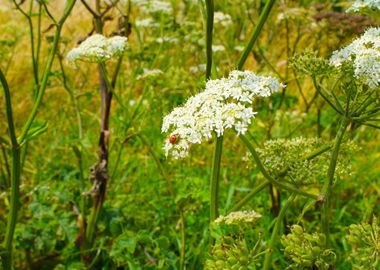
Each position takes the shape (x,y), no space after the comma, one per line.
(364,55)
(364,5)
(223,105)
(98,48)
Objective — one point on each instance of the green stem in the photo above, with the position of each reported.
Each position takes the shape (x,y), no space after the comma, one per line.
(261,167)
(326,190)
(15,178)
(209,30)
(263,17)
(249,196)
(272,242)
(215,178)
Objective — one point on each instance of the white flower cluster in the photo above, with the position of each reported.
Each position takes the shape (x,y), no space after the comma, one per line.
(238,217)
(222,19)
(147,23)
(362,5)
(364,55)
(98,48)
(224,104)
(166,39)
(149,73)
(154,6)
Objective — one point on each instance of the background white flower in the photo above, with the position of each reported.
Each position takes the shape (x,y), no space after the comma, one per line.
(364,55)
(362,5)
(98,48)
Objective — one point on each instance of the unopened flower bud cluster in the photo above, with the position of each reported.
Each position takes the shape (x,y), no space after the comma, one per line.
(225,104)
(363,55)
(98,48)
(232,253)
(307,251)
(309,63)
(364,239)
(287,157)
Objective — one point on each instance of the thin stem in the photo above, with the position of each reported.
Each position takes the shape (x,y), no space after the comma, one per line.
(8,106)
(320,91)
(46,74)
(272,242)
(209,30)
(249,196)
(183,241)
(31,33)
(261,167)
(327,188)
(215,178)
(263,17)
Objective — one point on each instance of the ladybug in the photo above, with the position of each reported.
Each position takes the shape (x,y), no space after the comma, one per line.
(173,138)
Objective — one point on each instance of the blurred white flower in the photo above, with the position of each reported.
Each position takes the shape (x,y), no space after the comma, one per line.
(223,105)
(218,48)
(239,48)
(172,40)
(97,48)
(154,6)
(222,19)
(149,73)
(145,23)
(364,55)
(198,68)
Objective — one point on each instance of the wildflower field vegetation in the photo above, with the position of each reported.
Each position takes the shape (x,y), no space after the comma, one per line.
(189,134)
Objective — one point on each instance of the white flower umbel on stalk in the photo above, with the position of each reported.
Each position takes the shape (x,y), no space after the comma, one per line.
(224,104)
(364,5)
(238,217)
(364,56)
(98,48)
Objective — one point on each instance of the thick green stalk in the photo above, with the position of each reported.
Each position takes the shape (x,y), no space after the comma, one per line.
(263,17)
(15,178)
(215,178)
(326,190)
(261,167)
(209,30)
(272,242)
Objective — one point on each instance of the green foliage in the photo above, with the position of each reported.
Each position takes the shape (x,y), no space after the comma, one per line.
(156,210)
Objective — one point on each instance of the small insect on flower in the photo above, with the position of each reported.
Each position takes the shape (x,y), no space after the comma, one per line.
(173,139)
